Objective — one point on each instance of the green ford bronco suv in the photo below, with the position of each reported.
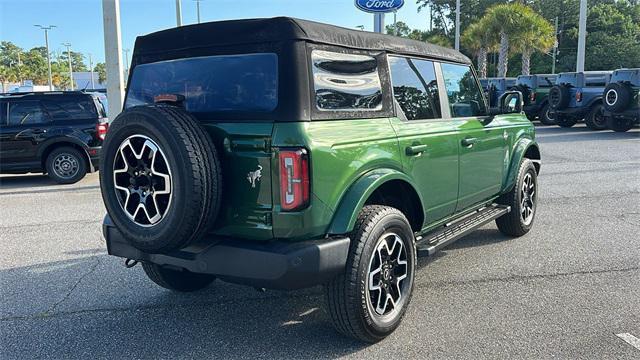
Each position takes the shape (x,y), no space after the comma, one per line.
(288,154)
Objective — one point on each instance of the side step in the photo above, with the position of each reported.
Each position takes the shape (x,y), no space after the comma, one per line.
(432,242)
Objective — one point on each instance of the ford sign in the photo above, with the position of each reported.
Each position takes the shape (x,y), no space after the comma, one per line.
(379,6)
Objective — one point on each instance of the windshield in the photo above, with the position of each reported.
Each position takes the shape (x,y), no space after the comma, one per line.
(210,84)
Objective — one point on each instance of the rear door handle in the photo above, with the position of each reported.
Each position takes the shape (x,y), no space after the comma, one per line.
(415,150)
(468,142)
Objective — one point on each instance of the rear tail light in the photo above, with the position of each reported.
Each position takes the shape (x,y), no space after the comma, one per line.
(533,96)
(101,130)
(294,179)
(578,96)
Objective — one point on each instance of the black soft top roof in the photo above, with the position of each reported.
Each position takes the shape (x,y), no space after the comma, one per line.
(283,29)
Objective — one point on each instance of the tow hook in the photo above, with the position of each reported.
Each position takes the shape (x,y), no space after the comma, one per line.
(129,263)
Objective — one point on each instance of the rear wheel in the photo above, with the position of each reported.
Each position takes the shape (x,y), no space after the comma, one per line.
(619,124)
(595,119)
(368,301)
(66,165)
(546,116)
(175,279)
(565,122)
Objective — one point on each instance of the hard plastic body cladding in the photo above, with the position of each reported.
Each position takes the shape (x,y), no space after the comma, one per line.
(349,159)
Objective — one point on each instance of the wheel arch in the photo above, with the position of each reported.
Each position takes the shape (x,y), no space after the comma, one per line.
(525,148)
(380,187)
(51,146)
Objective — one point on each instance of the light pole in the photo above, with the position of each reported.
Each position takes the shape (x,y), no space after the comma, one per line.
(457,42)
(91,70)
(555,47)
(126,64)
(178,13)
(68,45)
(198,9)
(582,35)
(46,41)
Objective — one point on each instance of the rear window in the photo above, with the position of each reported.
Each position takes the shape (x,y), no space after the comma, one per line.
(245,83)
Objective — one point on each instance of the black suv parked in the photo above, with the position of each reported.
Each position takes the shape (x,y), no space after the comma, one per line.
(622,100)
(58,133)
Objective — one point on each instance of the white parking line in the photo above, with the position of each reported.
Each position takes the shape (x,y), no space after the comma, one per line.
(630,339)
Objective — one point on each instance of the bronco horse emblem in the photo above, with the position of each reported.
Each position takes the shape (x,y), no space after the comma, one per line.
(254,176)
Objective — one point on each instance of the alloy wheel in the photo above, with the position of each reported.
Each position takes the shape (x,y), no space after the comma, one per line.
(387,283)
(142,179)
(527,199)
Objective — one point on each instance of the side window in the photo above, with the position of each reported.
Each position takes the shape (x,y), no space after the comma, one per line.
(415,87)
(71,108)
(346,81)
(465,97)
(3,113)
(26,113)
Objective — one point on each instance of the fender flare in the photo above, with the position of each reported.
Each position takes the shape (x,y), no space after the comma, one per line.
(353,200)
(57,141)
(594,101)
(521,148)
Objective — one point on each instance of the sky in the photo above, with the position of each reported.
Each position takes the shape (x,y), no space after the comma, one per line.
(79,22)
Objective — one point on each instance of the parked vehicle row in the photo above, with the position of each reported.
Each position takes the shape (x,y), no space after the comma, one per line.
(59,133)
(603,99)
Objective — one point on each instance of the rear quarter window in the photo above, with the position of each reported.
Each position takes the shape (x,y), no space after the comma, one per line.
(61,109)
(346,81)
(224,83)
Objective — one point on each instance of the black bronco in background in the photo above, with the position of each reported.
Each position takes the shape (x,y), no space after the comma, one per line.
(59,133)
(496,87)
(577,96)
(537,102)
(622,100)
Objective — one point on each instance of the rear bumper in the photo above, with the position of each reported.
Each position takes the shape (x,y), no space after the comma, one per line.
(94,157)
(576,112)
(273,265)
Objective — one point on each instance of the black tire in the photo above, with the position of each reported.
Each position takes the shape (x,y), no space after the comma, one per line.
(526,93)
(192,164)
(616,97)
(513,223)
(348,295)
(545,115)
(565,122)
(595,119)
(619,124)
(559,97)
(177,280)
(66,165)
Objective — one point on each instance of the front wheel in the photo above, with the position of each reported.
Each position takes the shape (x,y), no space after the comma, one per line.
(523,200)
(176,280)
(368,301)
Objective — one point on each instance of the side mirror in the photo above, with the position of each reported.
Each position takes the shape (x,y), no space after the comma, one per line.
(511,102)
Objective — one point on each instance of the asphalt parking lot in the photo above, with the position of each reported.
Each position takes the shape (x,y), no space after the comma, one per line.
(564,290)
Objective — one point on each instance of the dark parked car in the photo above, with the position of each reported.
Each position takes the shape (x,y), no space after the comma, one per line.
(622,100)
(577,96)
(496,87)
(58,133)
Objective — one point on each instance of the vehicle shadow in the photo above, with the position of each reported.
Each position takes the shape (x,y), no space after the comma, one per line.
(18,181)
(63,310)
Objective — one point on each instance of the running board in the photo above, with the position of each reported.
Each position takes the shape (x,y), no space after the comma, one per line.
(450,232)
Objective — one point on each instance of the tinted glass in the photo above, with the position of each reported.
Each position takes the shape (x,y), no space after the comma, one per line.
(465,97)
(346,81)
(415,87)
(3,113)
(210,84)
(71,108)
(26,113)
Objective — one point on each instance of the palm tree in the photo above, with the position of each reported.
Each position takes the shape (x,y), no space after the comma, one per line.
(503,19)
(479,40)
(536,34)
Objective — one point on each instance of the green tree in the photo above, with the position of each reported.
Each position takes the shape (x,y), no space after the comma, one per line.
(479,40)
(101,69)
(77,61)
(534,33)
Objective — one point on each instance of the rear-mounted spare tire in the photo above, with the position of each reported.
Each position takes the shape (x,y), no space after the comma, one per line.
(160,177)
